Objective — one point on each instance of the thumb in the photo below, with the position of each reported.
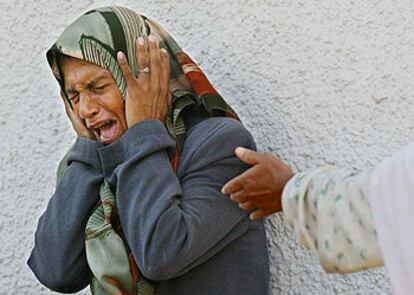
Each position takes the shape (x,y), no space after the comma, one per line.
(248,156)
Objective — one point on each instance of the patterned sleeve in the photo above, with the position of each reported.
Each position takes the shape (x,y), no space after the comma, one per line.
(330,212)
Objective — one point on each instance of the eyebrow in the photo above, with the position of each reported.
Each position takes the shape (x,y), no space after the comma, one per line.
(90,82)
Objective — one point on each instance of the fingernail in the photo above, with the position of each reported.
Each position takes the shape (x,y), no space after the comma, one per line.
(232,197)
(141,41)
(120,55)
(152,38)
(252,217)
(239,151)
(164,50)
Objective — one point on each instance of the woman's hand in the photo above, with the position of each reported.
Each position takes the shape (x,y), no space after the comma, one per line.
(260,188)
(148,95)
(77,123)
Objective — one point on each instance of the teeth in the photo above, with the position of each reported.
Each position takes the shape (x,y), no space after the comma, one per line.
(101,124)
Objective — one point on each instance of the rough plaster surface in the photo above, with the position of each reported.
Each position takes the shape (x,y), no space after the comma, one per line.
(316,82)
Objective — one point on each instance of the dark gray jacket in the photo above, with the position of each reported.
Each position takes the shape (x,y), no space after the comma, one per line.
(184,234)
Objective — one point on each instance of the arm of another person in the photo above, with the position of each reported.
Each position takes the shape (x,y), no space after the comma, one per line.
(172,224)
(329,208)
(330,212)
(58,258)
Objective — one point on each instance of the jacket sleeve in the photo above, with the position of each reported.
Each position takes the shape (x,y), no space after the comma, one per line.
(174,224)
(330,212)
(58,257)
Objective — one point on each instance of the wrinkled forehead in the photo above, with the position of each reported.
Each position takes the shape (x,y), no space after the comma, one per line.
(78,71)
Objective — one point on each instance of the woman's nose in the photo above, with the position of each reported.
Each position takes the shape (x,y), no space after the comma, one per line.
(87,106)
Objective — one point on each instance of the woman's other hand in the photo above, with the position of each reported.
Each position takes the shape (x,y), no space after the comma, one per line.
(259,189)
(148,95)
(77,123)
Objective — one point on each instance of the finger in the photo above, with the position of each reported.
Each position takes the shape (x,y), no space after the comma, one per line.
(65,99)
(247,206)
(126,70)
(233,185)
(73,117)
(77,123)
(239,196)
(155,61)
(257,214)
(165,71)
(142,58)
(248,156)
(247,177)
(164,82)
(259,197)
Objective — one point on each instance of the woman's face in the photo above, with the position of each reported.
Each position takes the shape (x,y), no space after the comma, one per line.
(95,98)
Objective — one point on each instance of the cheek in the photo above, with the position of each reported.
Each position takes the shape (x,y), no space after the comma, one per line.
(113,103)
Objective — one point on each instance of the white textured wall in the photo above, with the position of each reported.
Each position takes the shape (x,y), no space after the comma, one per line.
(317,82)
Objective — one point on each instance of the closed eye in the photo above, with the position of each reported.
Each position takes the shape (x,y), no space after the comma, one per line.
(101,87)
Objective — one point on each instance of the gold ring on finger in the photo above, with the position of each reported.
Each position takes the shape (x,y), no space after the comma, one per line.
(145,70)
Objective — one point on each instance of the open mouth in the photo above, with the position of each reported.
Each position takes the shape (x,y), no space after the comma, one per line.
(106,132)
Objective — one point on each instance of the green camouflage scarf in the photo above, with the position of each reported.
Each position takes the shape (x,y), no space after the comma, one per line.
(96,37)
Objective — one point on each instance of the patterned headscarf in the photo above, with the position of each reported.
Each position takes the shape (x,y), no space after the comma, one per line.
(99,34)
(96,37)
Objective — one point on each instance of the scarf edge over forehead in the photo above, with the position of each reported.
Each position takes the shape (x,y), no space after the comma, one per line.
(96,37)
